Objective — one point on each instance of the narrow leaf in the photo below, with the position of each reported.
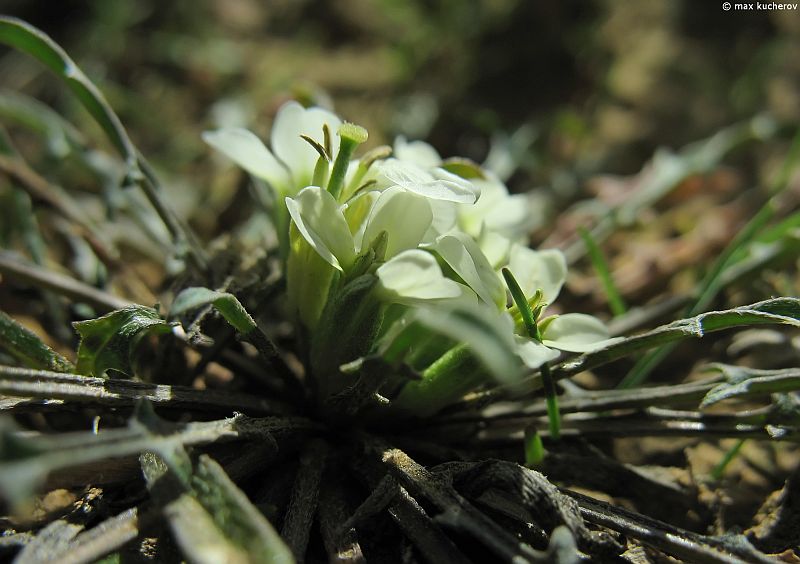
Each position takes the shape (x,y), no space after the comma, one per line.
(109,342)
(749,382)
(487,335)
(229,307)
(785,311)
(36,116)
(25,37)
(28,348)
(25,461)
(615,301)
(212,519)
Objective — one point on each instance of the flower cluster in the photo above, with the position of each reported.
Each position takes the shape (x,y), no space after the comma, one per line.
(397,257)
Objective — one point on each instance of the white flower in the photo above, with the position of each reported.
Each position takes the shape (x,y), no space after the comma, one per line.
(464,256)
(290,164)
(436,183)
(573,332)
(404,216)
(413,277)
(510,215)
(418,152)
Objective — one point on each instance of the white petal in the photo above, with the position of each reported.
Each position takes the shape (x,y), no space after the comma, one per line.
(318,218)
(466,259)
(533,353)
(293,120)
(445,217)
(538,270)
(495,248)
(414,276)
(249,152)
(417,152)
(576,332)
(510,215)
(441,185)
(404,216)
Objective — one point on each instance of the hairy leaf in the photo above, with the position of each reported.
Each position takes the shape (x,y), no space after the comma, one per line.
(743,382)
(109,342)
(212,519)
(25,462)
(227,304)
(784,311)
(28,348)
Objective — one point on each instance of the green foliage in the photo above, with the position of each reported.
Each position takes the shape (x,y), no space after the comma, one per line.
(109,342)
(227,304)
(28,348)
(27,38)
(744,383)
(615,301)
(212,519)
(782,311)
(61,135)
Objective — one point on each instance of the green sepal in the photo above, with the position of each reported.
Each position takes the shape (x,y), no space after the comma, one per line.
(346,331)
(464,168)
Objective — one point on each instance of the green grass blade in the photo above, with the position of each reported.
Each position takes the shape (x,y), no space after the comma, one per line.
(713,281)
(615,301)
(28,348)
(719,469)
(28,39)
(23,110)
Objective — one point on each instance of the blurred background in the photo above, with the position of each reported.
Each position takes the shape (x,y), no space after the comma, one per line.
(568,97)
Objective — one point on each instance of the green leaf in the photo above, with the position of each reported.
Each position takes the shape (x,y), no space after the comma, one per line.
(227,304)
(25,37)
(743,382)
(211,518)
(782,311)
(346,331)
(483,330)
(28,348)
(61,135)
(109,342)
(25,462)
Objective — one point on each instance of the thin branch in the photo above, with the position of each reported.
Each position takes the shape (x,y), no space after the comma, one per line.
(61,284)
(42,384)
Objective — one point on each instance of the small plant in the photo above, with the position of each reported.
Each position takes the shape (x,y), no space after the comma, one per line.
(422,329)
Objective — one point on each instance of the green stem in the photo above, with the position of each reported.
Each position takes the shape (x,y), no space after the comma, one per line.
(444,382)
(719,469)
(553,414)
(529,319)
(534,449)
